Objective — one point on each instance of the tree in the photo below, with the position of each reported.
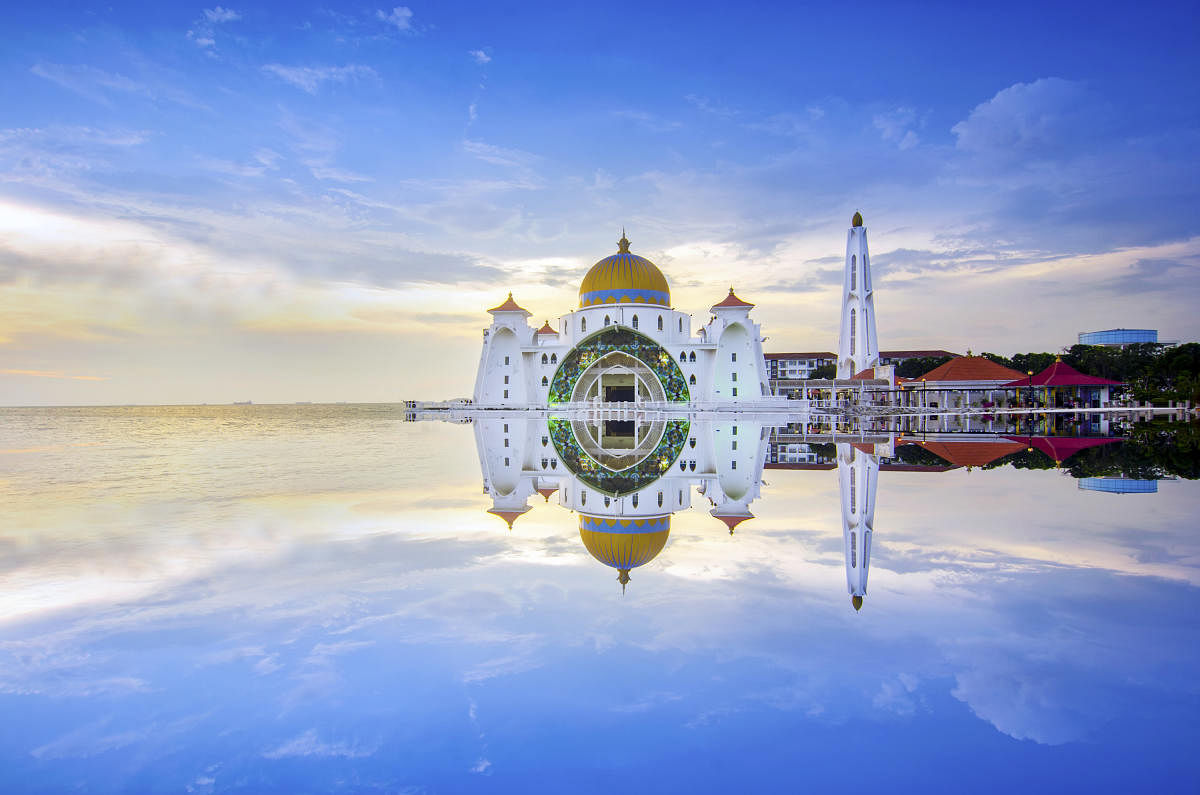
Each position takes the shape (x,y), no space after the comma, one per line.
(824,371)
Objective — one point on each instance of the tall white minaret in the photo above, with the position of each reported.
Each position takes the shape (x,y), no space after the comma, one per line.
(857,474)
(858,347)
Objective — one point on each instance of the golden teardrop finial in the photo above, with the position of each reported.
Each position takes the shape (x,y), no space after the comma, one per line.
(623,578)
(623,243)
(857,602)
(857,219)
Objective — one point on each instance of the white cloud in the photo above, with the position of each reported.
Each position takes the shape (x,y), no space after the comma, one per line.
(480,56)
(308,744)
(896,126)
(219,14)
(1047,114)
(400,17)
(310,78)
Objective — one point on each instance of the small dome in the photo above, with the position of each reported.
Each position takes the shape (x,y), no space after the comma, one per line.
(624,278)
(857,219)
(624,543)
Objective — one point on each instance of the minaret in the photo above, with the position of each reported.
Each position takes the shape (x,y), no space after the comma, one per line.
(857,473)
(858,347)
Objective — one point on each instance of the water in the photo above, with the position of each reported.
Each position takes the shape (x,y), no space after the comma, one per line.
(314,599)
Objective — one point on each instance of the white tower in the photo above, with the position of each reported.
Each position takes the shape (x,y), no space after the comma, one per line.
(857,473)
(858,347)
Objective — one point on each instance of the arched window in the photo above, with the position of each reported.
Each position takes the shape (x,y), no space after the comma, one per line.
(554,358)
(545,381)
(583,324)
(606,320)
(853,550)
(681,496)
(692,442)
(635,500)
(660,499)
(853,502)
(583,498)
(692,466)
(660,326)
(545,358)
(682,465)
(853,272)
(681,324)
(682,356)
(692,380)
(635,321)
(692,356)
(853,330)
(545,441)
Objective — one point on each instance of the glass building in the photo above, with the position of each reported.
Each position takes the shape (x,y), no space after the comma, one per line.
(1118,336)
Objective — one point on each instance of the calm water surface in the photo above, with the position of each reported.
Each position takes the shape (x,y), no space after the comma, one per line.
(314,598)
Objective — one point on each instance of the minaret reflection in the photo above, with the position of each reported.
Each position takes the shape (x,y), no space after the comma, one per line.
(858,473)
(624,477)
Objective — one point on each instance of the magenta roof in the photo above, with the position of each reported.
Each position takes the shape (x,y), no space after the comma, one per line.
(1062,374)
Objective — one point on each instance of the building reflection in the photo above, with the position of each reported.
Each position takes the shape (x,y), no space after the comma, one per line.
(625,472)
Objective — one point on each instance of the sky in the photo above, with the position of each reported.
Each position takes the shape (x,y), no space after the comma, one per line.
(294,201)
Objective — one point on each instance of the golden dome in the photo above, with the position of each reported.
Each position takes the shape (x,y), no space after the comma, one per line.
(857,219)
(624,278)
(624,544)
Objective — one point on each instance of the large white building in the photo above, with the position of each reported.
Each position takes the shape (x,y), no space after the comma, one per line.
(624,344)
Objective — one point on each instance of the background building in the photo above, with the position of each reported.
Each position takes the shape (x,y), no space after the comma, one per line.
(1118,337)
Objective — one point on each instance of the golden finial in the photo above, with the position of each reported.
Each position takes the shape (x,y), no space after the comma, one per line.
(623,578)
(857,602)
(623,243)
(1058,360)
(857,219)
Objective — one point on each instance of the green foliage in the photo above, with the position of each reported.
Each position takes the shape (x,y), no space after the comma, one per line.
(825,371)
(919,366)
(1150,370)
(1154,449)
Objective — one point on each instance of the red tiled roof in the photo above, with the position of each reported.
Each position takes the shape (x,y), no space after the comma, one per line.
(507,516)
(545,329)
(732,300)
(970,454)
(971,368)
(1060,448)
(1062,374)
(510,305)
(863,374)
(733,521)
(809,355)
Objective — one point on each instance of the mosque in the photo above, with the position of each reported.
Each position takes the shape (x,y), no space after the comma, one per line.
(625,413)
(624,344)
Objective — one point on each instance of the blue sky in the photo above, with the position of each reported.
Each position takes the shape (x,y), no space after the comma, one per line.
(287,202)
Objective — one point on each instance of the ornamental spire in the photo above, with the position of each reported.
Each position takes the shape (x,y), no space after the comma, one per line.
(623,243)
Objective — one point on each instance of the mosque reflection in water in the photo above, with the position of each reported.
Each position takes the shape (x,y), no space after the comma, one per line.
(626,472)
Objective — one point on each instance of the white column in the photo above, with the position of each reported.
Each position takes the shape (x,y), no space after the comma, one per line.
(858,346)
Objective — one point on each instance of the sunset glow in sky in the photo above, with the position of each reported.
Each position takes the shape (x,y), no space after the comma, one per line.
(292,201)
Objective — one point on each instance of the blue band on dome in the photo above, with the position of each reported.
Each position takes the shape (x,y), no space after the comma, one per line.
(633,296)
(651,525)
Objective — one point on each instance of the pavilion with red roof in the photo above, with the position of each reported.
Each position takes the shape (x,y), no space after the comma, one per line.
(962,382)
(1062,386)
